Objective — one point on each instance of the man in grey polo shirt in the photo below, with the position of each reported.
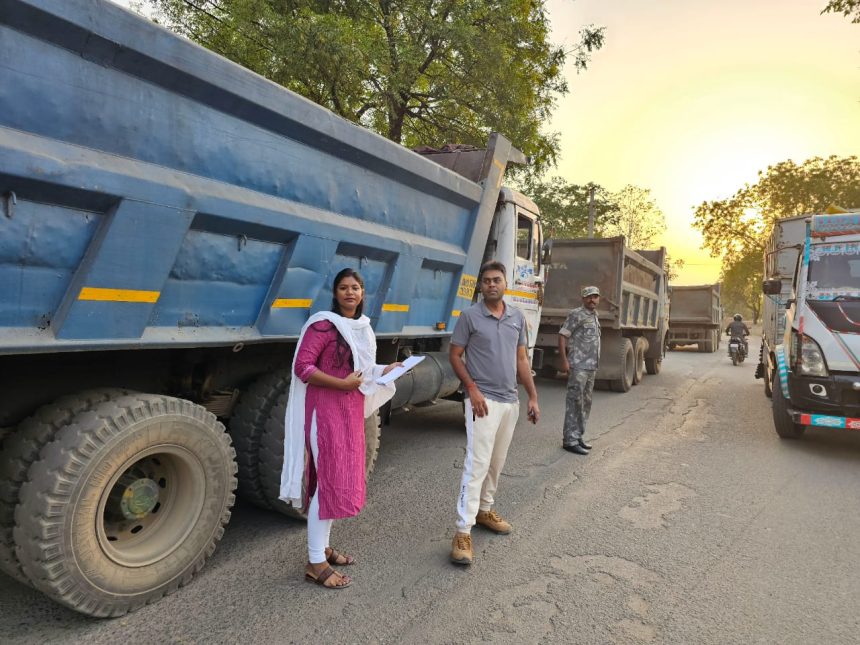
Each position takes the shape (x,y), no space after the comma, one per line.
(493,338)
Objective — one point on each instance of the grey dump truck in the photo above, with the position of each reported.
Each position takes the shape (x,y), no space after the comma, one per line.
(168,223)
(633,310)
(695,317)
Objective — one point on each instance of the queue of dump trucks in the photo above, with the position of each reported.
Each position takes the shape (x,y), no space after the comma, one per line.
(169,220)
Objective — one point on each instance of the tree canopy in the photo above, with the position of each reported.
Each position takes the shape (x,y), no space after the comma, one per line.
(564,206)
(845,7)
(419,72)
(638,219)
(736,228)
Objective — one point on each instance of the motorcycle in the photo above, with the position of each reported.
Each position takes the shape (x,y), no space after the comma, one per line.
(737,350)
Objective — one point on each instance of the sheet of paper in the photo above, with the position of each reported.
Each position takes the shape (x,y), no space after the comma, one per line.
(397,372)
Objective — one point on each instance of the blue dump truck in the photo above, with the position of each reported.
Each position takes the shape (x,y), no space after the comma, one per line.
(168,221)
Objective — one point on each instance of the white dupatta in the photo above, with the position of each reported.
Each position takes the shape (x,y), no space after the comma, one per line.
(362,343)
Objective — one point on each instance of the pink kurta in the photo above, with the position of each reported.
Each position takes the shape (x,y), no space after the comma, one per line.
(339,471)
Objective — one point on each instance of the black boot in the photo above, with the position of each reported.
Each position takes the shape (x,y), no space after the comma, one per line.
(582,444)
(579,450)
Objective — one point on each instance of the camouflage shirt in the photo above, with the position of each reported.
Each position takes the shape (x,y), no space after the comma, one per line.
(582,330)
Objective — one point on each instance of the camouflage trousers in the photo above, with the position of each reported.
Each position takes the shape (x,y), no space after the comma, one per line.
(580,385)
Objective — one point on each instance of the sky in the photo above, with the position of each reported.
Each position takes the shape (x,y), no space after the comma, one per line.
(691,98)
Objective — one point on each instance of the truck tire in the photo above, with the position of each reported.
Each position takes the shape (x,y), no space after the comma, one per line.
(627,362)
(639,354)
(126,504)
(706,346)
(21,449)
(653,365)
(247,425)
(272,455)
(782,423)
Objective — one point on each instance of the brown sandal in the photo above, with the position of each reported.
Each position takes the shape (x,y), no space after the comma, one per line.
(332,557)
(324,575)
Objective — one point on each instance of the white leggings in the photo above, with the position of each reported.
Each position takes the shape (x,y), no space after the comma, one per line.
(318,530)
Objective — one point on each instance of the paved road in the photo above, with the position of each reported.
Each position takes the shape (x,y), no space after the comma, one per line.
(691,522)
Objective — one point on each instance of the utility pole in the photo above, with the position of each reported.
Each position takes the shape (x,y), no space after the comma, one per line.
(591,212)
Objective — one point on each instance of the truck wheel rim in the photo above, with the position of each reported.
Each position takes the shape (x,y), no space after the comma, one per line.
(150,505)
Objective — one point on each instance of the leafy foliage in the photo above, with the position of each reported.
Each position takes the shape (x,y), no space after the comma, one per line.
(639,219)
(416,71)
(741,285)
(564,206)
(673,267)
(846,8)
(737,227)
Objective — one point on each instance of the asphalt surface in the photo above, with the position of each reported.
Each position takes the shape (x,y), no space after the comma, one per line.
(690,522)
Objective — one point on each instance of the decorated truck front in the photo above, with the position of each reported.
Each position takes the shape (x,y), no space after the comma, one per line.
(817,379)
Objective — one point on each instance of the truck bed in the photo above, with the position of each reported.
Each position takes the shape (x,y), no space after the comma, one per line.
(159,195)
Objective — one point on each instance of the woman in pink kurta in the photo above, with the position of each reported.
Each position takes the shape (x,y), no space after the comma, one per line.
(339,422)
(334,411)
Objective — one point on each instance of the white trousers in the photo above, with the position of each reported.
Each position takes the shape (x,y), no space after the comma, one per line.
(487,442)
(318,530)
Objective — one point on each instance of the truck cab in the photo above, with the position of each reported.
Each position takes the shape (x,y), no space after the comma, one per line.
(818,362)
(516,240)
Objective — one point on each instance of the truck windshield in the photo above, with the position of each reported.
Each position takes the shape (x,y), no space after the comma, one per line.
(834,269)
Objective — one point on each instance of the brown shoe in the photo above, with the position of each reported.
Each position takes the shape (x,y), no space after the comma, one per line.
(493,521)
(461,549)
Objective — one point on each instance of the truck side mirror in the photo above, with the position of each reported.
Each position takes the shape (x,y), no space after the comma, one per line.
(771,287)
(546,257)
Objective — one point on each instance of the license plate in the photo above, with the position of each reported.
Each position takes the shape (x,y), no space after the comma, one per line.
(734,345)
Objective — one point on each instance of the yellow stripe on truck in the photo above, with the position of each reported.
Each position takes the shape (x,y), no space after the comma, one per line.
(292,303)
(392,307)
(520,294)
(118,295)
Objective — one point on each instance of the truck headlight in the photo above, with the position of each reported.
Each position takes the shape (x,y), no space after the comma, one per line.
(811,361)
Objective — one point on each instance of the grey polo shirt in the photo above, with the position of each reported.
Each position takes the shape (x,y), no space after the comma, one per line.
(491,349)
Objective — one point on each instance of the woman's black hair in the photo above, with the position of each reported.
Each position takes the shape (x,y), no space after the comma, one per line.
(342,346)
(346,273)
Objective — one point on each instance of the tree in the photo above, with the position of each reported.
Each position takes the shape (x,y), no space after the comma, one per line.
(845,7)
(416,71)
(564,206)
(741,284)
(639,219)
(673,267)
(736,228)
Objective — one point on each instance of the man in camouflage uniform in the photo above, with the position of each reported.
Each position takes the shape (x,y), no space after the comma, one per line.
(579,348)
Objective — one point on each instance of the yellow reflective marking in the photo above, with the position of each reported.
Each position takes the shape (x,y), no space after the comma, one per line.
(520,294)
(118,295)
(392,307)
(499,164)
(455,313)
(292,303)
(468,284)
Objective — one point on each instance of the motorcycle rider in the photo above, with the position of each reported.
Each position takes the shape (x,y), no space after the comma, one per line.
(738,328)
